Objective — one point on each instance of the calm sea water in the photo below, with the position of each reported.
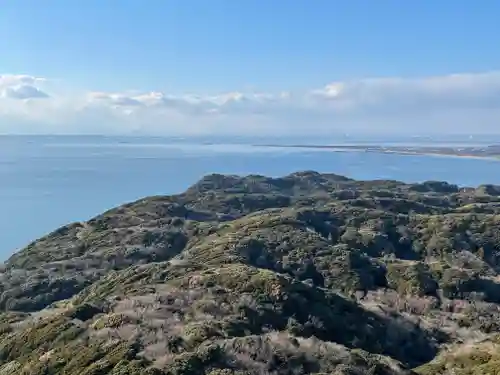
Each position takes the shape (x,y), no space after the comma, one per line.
(46,182)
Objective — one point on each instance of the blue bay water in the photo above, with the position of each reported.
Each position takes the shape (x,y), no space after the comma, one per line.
(46,182)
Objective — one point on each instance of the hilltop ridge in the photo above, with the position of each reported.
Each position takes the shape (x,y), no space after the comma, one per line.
(305,274)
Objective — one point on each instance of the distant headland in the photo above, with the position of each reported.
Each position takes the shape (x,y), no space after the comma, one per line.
(486,152)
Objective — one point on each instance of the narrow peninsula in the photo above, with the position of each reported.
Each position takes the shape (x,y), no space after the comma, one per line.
(487,152)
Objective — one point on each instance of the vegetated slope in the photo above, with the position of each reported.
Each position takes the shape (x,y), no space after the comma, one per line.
(306,274)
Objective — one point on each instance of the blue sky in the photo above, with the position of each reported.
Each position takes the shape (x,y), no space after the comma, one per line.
(211,47)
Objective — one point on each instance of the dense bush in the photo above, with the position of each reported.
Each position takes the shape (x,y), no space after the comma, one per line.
(305,274)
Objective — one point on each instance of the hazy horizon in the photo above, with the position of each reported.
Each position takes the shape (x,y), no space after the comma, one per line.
(488,139)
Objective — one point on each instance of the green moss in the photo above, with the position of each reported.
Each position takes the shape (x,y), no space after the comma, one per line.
(51,332)
(411,279)
(111,321)
(476,362)
(196,333)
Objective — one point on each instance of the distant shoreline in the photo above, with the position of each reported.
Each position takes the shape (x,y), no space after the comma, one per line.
(488,152)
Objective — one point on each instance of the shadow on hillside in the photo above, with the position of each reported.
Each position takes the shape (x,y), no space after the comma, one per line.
(331,317)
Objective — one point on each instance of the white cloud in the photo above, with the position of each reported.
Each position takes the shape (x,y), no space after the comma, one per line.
(21,87)
(19,79)
(436,93)
(24,92)
(460,103)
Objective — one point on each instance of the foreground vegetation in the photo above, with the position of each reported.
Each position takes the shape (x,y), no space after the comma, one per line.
(305,274)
